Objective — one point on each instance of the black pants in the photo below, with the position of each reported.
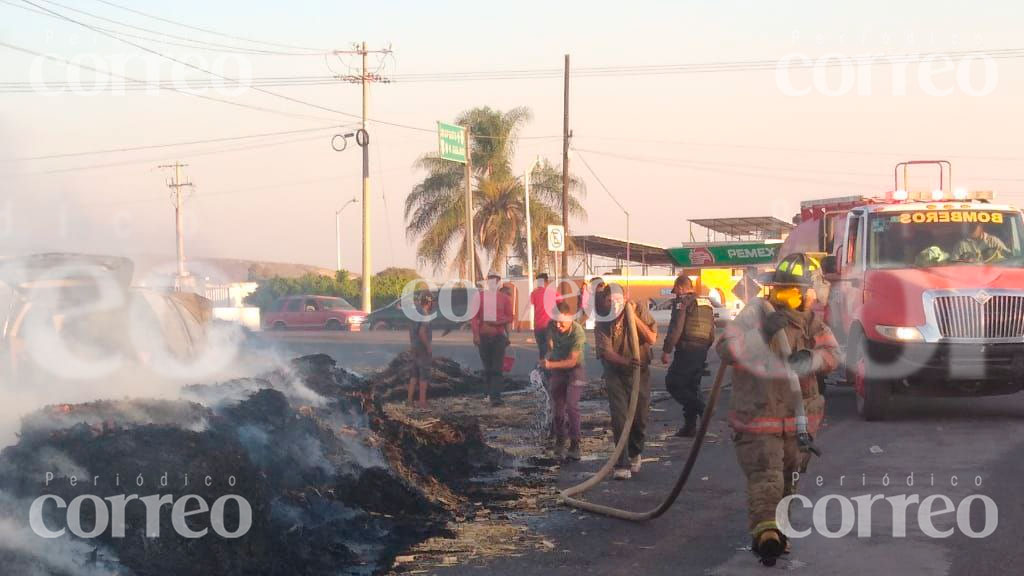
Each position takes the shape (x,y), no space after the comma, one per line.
(492,355)
(541,336)
(683,379)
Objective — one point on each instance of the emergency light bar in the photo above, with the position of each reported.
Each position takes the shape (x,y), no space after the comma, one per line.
(961,194)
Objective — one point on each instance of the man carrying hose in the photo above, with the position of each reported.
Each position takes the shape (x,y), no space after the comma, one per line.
(620,363)
(772,437)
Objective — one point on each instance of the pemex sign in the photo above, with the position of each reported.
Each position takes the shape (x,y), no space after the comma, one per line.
(724,255)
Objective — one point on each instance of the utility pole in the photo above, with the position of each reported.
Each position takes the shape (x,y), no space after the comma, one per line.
(470,237)
(365,78)
(529,236)
(176,185)
(565,168)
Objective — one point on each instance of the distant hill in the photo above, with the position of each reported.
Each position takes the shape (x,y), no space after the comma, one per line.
(229,269)
(241,270)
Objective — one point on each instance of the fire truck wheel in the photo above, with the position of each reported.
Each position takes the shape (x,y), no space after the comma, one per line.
(874,395)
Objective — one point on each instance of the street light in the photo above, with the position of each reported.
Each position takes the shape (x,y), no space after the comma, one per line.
(529,235)
(337,227)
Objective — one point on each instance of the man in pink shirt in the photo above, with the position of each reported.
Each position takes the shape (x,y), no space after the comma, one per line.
(490,334)
(541,315)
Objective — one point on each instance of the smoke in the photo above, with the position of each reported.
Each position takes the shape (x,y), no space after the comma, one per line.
(23,552)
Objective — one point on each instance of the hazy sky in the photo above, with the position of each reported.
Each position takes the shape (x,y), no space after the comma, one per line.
(712,144)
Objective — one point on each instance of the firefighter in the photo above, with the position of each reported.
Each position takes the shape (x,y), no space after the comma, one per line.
(691,331)
(763,413)
(980,246)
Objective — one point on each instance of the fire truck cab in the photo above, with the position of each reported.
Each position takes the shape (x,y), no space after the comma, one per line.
(927,290)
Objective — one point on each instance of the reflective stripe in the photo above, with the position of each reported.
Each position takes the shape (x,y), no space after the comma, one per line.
(764,527)
(769,425)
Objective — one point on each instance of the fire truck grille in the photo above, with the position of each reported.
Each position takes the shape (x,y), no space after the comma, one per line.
(980,316)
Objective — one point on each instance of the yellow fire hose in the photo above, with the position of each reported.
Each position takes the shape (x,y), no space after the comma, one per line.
(567,495)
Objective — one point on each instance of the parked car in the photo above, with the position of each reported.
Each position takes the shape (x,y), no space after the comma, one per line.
(309,312)
(662,312)
(393,315)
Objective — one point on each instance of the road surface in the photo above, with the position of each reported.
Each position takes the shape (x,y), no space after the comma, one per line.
(938,441)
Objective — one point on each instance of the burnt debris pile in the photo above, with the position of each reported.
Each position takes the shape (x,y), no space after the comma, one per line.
(447,378)
(296,472)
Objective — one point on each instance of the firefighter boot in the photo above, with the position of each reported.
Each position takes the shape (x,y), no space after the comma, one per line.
(768,546)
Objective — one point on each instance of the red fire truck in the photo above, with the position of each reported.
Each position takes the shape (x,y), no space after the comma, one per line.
(927,289)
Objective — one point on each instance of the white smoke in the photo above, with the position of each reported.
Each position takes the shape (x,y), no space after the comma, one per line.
(35,556)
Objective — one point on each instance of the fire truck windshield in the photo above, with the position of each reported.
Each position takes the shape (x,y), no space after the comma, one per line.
(928,238)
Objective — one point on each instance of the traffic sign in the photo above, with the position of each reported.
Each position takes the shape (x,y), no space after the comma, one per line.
(556,238)
(451,142)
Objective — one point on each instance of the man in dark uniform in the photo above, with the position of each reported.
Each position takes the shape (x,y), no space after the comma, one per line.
(691,331)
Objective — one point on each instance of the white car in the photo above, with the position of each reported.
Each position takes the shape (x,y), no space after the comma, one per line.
(662,312)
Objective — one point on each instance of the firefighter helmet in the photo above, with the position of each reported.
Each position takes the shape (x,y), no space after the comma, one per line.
(797,269)
(793,276)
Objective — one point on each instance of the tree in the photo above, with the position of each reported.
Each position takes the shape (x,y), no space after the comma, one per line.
(435,209)
(387,286)
(271,289)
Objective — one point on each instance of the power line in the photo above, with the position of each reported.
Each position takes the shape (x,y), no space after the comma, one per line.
(702,165)
(616,71)
(209,31)
(186,155)
(170,144)
(704,168)
(185,63)
(179,91)
(191,43)
(776,148)
(599,181)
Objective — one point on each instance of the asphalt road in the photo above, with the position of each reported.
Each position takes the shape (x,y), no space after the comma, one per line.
(939,441)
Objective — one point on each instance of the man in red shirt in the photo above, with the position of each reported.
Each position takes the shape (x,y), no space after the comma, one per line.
(541,315)
(491,325)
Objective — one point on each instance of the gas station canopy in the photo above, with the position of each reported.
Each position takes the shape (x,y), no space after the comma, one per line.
(752,228)
(615,249)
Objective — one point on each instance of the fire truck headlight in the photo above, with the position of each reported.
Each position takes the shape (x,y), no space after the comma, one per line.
(900,333)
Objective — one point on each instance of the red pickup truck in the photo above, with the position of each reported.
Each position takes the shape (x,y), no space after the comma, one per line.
(313,312)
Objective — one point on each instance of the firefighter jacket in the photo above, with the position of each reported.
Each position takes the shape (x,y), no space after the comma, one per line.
(761,401)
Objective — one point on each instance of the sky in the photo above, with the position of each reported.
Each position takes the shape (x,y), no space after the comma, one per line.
(670,147)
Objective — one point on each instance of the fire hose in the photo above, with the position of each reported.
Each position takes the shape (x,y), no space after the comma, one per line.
(567,496)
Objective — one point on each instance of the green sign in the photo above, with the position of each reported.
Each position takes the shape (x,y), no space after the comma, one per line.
(451,142)
(731,255)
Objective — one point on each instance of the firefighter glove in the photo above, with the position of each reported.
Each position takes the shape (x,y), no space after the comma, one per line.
(772,324)
(802,362)
(806,443)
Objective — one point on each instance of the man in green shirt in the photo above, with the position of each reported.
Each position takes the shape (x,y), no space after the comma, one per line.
(566,378)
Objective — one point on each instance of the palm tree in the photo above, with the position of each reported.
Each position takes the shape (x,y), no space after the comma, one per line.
(435,209)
